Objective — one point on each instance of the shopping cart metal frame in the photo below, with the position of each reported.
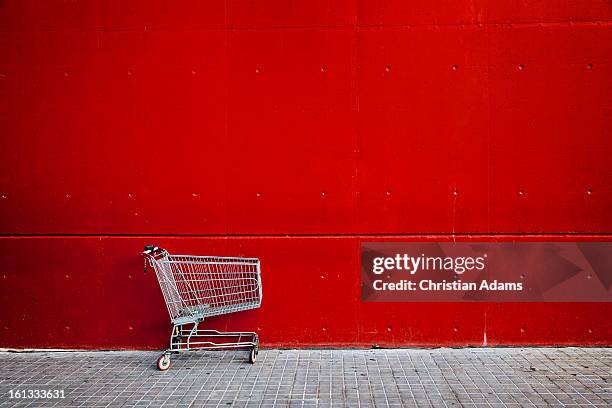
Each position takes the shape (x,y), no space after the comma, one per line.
(197,287)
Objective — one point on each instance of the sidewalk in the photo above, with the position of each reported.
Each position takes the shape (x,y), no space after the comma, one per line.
(503,377)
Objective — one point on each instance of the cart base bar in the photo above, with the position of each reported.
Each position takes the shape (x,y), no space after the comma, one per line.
(187,337)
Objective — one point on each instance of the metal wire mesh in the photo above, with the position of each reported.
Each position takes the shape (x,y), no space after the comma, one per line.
(201,286)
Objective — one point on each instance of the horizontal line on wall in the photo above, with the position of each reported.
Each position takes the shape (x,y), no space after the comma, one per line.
(241,236)
(505,24)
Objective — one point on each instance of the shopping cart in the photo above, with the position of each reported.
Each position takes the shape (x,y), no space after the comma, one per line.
(197,287)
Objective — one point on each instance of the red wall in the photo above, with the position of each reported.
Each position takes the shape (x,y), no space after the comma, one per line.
(291,131)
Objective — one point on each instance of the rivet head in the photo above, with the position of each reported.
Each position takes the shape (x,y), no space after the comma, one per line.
(521,192)
(130,71)
(323,193)
(589,66)
(258,70)
(131,195)
(130,327)
(67,276)
(195,194)
(194,71)
(66,73)
(67,327)
(2,74)
(388,68)
(589,191)
(455,67)
(522,330)
(455,192)
(388,193)
(590,330)
(455,329)
(521,67)
(4,195)
(323,68)
(68,195)
(389,328)
(259,194)
(589,277)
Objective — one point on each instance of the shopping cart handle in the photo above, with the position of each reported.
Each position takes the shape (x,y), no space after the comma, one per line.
(150,248)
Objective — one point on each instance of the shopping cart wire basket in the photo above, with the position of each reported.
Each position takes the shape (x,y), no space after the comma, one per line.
(197,287)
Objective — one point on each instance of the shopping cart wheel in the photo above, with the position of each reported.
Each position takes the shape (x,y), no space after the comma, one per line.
(253,354)
(254,350)
(164,362)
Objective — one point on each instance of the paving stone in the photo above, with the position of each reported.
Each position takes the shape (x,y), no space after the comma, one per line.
(504,377)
